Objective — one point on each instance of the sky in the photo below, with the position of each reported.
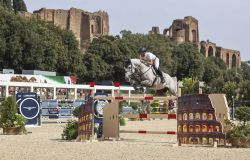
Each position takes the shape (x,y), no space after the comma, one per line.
(224,22)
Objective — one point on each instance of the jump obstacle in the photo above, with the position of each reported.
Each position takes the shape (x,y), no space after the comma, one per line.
(111,123)
(208,119)
(111,127)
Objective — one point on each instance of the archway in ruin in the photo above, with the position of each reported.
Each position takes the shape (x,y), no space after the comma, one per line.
(203,50)
(227,60)
(210,51)
(234,60)
(194,36)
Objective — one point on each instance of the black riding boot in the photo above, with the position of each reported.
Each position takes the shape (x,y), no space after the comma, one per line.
(159,72)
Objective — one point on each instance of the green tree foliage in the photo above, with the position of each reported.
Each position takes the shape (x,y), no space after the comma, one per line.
(19,5)
(233,75)
(213,69)
(245,67)
(34,44)
(190,86)
(6,3)
(16,5)
(230,89)
(243,114)
(215,86)
(189,61)
(244,91)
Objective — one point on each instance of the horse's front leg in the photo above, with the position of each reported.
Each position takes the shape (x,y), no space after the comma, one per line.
(146,83)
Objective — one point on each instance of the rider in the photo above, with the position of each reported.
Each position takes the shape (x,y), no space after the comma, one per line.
(151,59)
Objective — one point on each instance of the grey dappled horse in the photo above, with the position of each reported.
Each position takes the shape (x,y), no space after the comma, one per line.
(138,73)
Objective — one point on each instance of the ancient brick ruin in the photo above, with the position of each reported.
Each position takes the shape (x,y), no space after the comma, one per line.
(184,30)
(85,25)
(187,30)
(230,57)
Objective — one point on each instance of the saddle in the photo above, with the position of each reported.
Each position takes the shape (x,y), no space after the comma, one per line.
(151,66)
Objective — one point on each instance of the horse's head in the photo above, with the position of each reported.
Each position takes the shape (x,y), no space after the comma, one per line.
(129,70)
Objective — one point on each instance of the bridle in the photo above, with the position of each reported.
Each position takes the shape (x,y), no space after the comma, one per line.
(137,74)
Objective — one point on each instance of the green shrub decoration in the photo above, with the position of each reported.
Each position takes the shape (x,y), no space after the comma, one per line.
(70,131)
(9,116)
(122,122)
(76,111)
(236,134)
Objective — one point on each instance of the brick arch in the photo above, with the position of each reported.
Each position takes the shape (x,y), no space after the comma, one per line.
(234,60)
(203,50)
(194,36)
(227,59)
(92,28)
(210,51)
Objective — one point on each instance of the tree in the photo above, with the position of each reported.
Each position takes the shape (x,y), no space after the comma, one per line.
(19,5)
(6,3)
(190,86)
(230,89)
(212,70)
(189,61)
(35,44)
(243,114)
(215,86)
(245,68)
(244,91)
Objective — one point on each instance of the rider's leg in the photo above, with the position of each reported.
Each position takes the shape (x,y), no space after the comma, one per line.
(159,72)
(161,75)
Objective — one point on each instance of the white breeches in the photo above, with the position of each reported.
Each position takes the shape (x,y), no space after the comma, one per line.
(156,63)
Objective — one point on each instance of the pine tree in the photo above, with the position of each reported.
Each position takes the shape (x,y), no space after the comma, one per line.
(19,5)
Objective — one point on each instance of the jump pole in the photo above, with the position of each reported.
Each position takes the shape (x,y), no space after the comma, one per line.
(141,116)
(148,132)
(149,98)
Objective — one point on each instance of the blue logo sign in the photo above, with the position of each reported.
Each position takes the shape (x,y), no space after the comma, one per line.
(29,108)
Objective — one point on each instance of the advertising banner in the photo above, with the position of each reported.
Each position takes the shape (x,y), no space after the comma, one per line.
(29,106)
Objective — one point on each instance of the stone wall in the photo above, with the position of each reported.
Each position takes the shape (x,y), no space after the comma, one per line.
(155,30)
(230,57)
(184,30)
(85,25)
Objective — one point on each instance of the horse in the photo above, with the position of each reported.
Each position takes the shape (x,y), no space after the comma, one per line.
(139,73)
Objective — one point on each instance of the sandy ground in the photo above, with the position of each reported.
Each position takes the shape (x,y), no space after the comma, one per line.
(44,143)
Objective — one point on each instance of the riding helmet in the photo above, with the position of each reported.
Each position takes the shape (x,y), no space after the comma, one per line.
(142,50)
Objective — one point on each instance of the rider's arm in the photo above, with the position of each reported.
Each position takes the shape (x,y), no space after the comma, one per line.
(151,62)
(141,58)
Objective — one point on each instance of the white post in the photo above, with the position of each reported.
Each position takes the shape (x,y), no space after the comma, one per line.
(233,108)
(75,94)
(7,91)
(54,93)
(31,89)
(180,85)
(129,95)
(201,84)
(113,92)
